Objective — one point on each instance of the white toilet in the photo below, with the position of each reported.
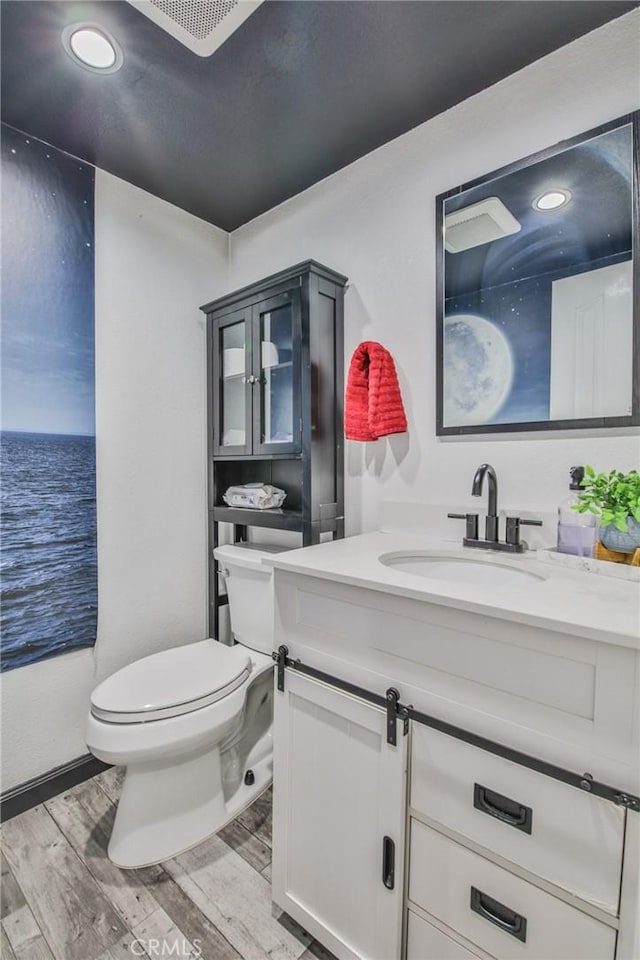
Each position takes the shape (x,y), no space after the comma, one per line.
(192,725)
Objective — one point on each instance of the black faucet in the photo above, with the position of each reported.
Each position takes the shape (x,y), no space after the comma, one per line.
(512,542)
(491,523)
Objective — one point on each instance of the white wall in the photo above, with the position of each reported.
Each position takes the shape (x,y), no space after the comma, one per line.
(155,265)
(375,221)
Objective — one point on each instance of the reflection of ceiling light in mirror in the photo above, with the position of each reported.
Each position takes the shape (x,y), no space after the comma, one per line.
(552,200)
(92,48)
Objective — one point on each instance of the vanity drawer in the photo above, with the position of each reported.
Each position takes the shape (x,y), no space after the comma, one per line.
(567,837)
(504,915)
(426,942)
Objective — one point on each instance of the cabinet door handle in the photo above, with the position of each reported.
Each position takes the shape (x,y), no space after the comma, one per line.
(502,808)
(388,863)
(500,916)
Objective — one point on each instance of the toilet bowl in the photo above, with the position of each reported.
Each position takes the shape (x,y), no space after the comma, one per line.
(188,724)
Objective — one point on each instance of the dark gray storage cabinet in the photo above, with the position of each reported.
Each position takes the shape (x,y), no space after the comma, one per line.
(275,365)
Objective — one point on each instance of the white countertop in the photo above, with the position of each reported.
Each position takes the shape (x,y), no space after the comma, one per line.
(601,608)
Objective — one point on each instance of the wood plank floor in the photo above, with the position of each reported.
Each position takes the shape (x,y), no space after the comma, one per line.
(63,899)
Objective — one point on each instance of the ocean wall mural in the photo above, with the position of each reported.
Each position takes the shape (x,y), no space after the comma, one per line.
(48,566)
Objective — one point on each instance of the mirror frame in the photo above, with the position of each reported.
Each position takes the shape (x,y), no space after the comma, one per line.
(630,420)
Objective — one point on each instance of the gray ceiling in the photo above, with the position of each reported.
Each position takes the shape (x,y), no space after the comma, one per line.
(299,91)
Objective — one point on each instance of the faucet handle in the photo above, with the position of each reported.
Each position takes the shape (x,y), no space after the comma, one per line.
(471,527)
(512,534)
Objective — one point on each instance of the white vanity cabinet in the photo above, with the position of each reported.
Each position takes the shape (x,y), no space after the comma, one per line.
(339,819)
(508,854)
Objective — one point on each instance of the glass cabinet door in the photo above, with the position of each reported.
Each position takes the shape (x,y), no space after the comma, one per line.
(277,372)
(232,371)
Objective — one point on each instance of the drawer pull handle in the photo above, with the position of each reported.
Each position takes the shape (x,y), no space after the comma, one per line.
(388,863)
(499,915)
(502,808)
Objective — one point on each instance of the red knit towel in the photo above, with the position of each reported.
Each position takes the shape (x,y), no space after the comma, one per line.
(373,405)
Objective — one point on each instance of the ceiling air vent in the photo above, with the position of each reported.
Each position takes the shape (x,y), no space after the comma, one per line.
(477,224)
(201,25)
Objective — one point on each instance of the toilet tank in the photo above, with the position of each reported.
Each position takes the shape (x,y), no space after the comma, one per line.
(250,590)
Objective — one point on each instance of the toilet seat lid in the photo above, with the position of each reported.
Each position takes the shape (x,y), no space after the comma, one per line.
(171,683)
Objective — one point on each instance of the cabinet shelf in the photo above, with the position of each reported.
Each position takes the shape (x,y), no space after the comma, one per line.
(276,518)
(244,457)
(286,364)
(278,366)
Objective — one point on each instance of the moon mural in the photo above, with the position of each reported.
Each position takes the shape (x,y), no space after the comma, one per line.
(478,370)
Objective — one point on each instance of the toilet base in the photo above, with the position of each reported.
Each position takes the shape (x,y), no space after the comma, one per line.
(165,809)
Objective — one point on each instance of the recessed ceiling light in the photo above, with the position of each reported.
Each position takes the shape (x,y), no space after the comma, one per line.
(552,199)
(92,47)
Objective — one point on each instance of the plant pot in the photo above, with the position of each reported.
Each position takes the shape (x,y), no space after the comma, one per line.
(614,539)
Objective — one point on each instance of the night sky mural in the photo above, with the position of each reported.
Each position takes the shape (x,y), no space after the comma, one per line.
(48,509)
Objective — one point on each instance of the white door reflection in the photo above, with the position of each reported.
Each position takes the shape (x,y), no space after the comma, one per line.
(591,344)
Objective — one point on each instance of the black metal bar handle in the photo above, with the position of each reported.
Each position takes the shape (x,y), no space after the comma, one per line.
(500,916)
(388,863)
(502,808)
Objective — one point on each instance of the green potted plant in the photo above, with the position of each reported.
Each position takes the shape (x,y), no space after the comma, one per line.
(615,497)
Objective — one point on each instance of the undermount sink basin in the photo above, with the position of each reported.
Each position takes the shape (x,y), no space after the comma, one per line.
(459,570)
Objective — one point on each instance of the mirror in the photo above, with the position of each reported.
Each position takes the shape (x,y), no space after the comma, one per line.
(537,291)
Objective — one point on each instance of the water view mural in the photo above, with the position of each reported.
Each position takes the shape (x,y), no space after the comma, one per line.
(48,507)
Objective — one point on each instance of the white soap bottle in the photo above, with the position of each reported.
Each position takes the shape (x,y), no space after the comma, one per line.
(576,531)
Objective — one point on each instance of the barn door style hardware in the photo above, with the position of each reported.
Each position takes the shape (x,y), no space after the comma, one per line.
(395,710)
(392,698)
(390,701)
